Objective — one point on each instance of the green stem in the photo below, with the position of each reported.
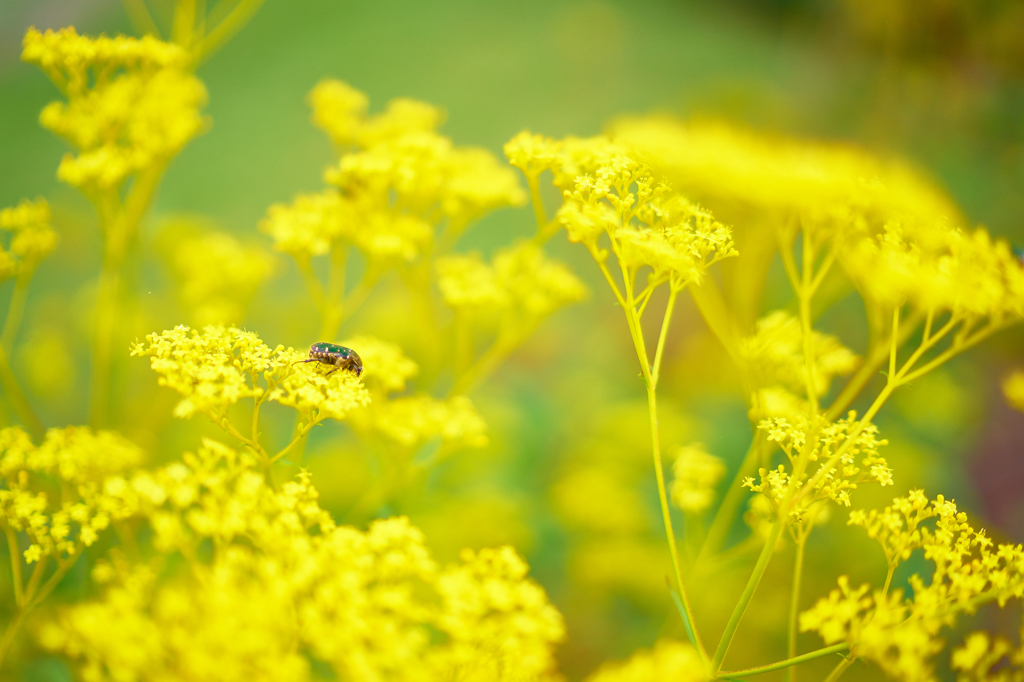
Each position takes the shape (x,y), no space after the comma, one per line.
(487,363)
(794,601)
(10,632)
(655,374)
(15,312)
(532,179)
(752,582)
(141,19)
(734,496)
(794,660)
(302,432)
(225,30)
(18,400)
(118,235)
(334,302)
(652,406)
(12,547)
(805,295)
(313,286)
(840,668)
(869,368)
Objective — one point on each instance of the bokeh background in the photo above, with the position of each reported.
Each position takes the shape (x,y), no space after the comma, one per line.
(938,82)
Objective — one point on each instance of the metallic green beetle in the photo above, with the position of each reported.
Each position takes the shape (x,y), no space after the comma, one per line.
(338,356)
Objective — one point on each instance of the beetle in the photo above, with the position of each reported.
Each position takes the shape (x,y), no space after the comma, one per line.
(339,357)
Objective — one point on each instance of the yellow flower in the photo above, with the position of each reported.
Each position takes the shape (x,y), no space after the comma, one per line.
(798,440)
(32,238)
(521,282)
(284,584)
(308,226)
(89,466)
(385,366)
(467,283)
(219,366)
(415,420)
(305,388)
(339,110)
(532,154)
(608,190)
(775,354)
(217,276)
(669,660)
(696,475)
(496,619)
(1013,389)
(131,105)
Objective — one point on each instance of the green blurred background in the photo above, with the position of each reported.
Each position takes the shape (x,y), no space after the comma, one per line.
(939,82)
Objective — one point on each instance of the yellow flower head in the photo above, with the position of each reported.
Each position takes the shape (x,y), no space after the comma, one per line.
(308,226)
(497,619)
(775,354)
(219,366)
(532,154)
(385,366)
(696,475)
(412,421)
(217,276)
(132,104)
(468,283)
(669,660)
(32,238)
(535,285)
(797,440)
(87,464)
(339,110)
(608,189)
(1013,389)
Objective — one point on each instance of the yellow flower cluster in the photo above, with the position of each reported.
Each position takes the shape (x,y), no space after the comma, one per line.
(397,181)
(669,660)
(32,238)
(696,475)
(521,283)
(939,269)
(775,354)
(1013,389)
(831,187)
(385,367)
(285,586)
(216,275)
(798,440)
(68,483)
(414,420)
(131,103)
(607,190)
(981,653)
(901,635)
(215,368)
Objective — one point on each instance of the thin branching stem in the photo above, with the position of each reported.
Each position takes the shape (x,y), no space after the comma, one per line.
(656,372)
(794,600)
(794,660)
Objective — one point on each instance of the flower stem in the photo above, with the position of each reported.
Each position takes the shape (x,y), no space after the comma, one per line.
(840,668)
(18,400)
(794,601)
(726,513)
(793,660)
(120,229)
(12,547)
(15,312)
(656,372)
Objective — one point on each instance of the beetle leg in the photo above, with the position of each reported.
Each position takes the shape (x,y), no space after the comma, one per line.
(299,362)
